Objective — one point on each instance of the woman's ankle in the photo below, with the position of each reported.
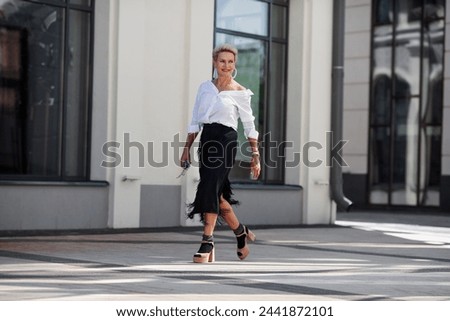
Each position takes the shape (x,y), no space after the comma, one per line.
(207,238)
(239,230)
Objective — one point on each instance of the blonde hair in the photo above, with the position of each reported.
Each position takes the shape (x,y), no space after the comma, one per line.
(224,48)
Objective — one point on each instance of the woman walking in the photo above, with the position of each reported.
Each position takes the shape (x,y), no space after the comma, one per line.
(218,106)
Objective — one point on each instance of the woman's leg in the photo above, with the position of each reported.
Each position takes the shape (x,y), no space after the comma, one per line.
(228,214)
(242,232)
(206,251)
(210,223)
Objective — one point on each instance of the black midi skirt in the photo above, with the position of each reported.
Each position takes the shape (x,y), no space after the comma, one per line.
(217,153)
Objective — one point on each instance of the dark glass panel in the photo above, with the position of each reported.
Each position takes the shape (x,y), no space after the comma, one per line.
(381,75)
(36,129)
(433,66)
(279,22)
(383,12)
(434,9)
(408,10)
(13,63)
(430,166)
(275,120)
(380,165)
(281,1)
(76,130)
(81,2)
(381,111)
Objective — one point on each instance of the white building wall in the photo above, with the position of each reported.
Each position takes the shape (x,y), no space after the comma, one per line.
(356,85)
(314,56)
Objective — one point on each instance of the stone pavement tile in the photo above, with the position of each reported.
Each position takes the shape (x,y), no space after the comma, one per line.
(316,263)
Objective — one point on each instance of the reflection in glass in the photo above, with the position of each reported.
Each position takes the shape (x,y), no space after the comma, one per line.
(44,90)
(247,16)
(383,12)
(381,113)
(432,80)
(407,51)
(379,164)
(431,166)
(381,76)
(432,102)
(12,85)
(35,130)
(434,9)
(405,158)
(409,9)
(415,100)
(407,67)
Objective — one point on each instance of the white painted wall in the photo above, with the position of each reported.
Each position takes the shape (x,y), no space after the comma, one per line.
(356,85)
(166,69)
(131,103)
(315,88)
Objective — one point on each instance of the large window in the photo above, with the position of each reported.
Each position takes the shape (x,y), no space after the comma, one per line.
(259,30)
(45,81)
(406,102)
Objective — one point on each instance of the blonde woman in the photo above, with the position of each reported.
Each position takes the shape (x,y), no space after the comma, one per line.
(219,104)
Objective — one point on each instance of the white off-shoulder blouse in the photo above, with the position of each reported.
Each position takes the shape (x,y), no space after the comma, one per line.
(225,107)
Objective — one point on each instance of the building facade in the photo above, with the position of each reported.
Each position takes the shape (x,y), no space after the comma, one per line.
(96,97)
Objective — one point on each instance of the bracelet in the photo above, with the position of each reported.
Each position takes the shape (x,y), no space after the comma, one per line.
(255,154)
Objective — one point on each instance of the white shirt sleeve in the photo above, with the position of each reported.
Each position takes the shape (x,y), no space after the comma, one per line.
(194,126)
(246,114)
(249,130)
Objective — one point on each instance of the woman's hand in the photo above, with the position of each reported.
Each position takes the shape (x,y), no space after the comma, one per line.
(185,157)
(255,165)
(255,168)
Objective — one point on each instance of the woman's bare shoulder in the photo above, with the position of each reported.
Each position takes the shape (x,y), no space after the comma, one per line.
(238,86)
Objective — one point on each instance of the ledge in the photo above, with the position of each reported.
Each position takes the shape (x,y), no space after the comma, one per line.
(266,187)
(54,183)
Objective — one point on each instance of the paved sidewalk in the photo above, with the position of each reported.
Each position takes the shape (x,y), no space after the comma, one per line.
(357,259)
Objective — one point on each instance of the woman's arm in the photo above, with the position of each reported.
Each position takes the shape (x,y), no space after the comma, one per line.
(255,163)
(186,155)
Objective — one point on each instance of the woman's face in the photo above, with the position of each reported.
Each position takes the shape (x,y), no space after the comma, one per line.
(225,64)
